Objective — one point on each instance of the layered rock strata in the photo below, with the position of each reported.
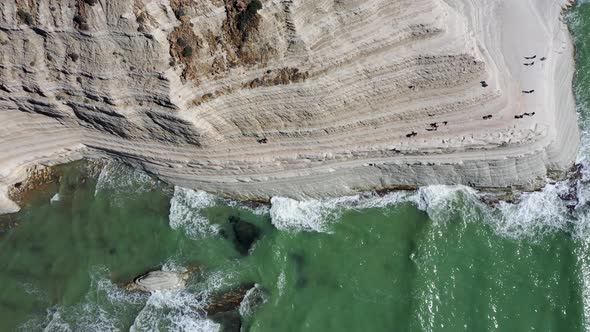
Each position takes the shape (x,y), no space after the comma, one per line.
(299,98)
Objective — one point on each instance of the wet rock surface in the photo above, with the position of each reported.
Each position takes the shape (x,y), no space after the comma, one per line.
(228,308)
(229,300)
(158,281)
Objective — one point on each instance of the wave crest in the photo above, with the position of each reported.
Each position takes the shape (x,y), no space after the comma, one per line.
(185,211)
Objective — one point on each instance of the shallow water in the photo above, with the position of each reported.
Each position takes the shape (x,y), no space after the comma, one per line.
(432,260)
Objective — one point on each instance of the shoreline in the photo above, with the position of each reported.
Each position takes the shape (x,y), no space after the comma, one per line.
(43,178)
(359,154)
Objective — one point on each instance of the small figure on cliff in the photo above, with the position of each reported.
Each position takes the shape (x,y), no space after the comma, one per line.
(483,84)
(530,63)
(262,140)
(487,117)
(412,134)
(530,57)
(528,91)
(445,122)
(543,59)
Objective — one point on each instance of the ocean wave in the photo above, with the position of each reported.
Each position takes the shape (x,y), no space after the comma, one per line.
(86,317)
(186,206)
(116,178)
(113,294)
(106,307)
(55,322)
(535,213)
(253,299)
(317,215)
(182,310)
(174,311)
(259,210)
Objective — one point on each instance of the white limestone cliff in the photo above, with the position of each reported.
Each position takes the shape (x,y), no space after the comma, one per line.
(299,98)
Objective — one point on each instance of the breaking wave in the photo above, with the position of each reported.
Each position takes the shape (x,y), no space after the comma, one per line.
(252,300)
(174,311)
(535,213)
(106,307)
(118,179)
(317,215)
(186,211)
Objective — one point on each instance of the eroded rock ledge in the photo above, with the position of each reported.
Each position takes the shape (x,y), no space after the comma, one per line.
(299,98)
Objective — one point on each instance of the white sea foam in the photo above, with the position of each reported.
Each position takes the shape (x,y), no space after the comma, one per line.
(185,211)
(90,317)
(99,280)
(86,317)
(317,215)
(55,323)
(54,199)
(117,178)
(173,266)
(535,213)
(259,210)
(253,299)
(442,203)
(218,280)
(174,311)
(181,310)
(281,283)
(310,215)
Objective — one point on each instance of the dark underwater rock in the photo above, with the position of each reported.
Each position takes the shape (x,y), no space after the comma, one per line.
(228,301)
(227,308)
(230,321)
(245,234)
(301,279)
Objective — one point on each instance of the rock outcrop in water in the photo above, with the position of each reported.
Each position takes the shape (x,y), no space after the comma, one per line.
(159,281)
(242,233)
(300,98)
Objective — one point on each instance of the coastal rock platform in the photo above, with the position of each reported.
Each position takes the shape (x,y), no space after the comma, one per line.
(297,98)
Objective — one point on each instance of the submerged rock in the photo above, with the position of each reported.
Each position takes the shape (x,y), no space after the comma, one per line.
(228,308)
(245,234)
(230,321)
(228,301)
(253,299)
(159,281)
(299,261)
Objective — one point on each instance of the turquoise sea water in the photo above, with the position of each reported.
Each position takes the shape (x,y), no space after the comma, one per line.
(432,260)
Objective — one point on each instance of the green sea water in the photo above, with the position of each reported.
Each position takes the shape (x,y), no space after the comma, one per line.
(432,260)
